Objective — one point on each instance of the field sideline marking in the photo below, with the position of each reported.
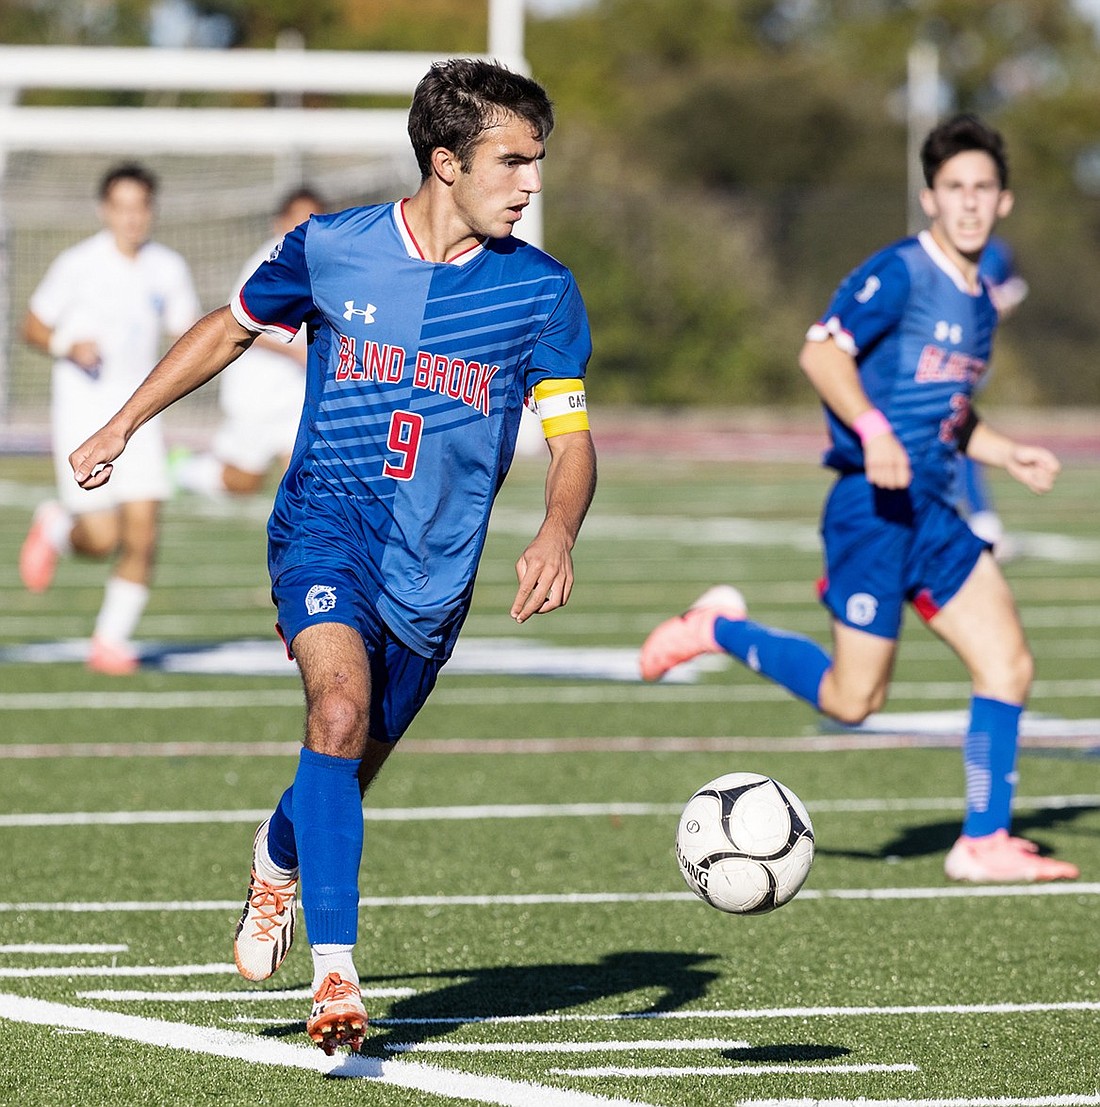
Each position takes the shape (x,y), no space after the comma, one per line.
(740,1070)
(976,891)
(56,947)
(747,1014)
(536,693)
(566,1047)
(247,995)
(481,812)
(446,1083)
(1083,734)
(1005,1101)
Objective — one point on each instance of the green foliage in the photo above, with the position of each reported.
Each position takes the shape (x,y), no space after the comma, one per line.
(721,164)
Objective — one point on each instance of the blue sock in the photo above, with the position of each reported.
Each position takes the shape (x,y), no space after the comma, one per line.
(328,828)
(281,847)
(795,662)
(989,760)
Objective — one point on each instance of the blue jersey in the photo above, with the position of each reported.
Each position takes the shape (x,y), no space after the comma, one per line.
(415,385)
(921,341)
(997,263)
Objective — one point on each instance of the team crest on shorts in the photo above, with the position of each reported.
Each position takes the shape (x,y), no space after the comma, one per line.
(861,609)
(320,598)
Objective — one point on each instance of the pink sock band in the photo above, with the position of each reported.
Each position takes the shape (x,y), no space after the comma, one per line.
(871,424)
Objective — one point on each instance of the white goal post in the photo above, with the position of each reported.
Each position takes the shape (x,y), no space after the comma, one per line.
(222,169)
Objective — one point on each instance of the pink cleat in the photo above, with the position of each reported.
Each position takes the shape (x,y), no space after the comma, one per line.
(686,636)
(338,1017)
(112,658)
(38,557)
(998,858)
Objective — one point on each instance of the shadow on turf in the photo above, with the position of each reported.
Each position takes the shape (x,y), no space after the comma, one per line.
(496,991)
(939,837)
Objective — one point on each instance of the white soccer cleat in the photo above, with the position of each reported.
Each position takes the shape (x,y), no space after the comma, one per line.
(266,927)
(338,1017)
(686,636)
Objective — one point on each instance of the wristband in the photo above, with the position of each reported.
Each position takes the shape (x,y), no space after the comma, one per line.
(870,425)
(61,342)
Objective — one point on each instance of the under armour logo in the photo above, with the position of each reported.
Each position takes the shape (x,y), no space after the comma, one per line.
(948,332)
(367,313)
(869,289)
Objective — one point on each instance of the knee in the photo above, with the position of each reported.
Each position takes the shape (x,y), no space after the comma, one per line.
(852,707)
(1008,679)
(336,724)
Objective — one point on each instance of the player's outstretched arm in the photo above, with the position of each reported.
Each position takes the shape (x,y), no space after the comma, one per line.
(203,352)
(1035,467)
(545,568)
(835,377)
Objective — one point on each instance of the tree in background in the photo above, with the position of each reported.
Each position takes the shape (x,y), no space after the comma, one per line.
(720,164)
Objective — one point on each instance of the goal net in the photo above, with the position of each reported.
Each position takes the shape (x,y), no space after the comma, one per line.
(215,209)
(222,171)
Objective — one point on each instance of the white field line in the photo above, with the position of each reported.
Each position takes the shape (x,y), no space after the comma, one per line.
(1000,1101)
(566,1047)
(924,730)
(752,1014)
(737,1070)
(977,891)
(211,1041)
(484,812)
(9,972)
(54,947)
(593,692)
(248,995)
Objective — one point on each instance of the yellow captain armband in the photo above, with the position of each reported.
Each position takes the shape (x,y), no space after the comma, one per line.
(561,406)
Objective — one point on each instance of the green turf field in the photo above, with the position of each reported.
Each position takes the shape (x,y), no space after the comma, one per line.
(525,935)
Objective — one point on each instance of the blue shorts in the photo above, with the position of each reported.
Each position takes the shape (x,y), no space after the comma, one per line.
(885,548)
(401,680)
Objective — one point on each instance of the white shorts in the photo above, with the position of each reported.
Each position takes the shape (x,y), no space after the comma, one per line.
(261,396)
(141,473)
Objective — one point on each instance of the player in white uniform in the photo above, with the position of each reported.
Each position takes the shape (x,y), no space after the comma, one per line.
(101,311)
(260,394)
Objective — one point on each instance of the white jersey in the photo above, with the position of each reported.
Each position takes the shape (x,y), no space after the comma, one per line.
(93,292)
(260,394)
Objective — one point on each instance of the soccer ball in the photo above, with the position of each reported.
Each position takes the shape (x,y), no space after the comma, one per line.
(745,843)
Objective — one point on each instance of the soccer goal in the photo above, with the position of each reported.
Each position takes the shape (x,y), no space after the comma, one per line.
(222,170)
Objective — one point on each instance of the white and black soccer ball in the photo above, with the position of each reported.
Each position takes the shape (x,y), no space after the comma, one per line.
(745,843)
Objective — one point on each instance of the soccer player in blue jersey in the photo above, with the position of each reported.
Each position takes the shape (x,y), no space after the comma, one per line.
(894,360)
(429,327)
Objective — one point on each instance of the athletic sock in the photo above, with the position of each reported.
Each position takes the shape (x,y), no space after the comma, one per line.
(989,761)
(266,868)
(123,604)
(328,829)
(331,957)
(281,847)
(795,662)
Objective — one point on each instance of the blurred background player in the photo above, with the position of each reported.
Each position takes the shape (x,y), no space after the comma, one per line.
(894,361)
(1008,290)
(260,394)
(102,310)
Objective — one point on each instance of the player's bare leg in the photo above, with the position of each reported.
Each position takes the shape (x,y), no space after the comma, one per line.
(982,626)
(857,682)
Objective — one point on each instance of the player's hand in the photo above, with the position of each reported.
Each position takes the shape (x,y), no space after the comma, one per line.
(85,355)
(1035,467)
(886,463)
(91,461)
(545,574)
